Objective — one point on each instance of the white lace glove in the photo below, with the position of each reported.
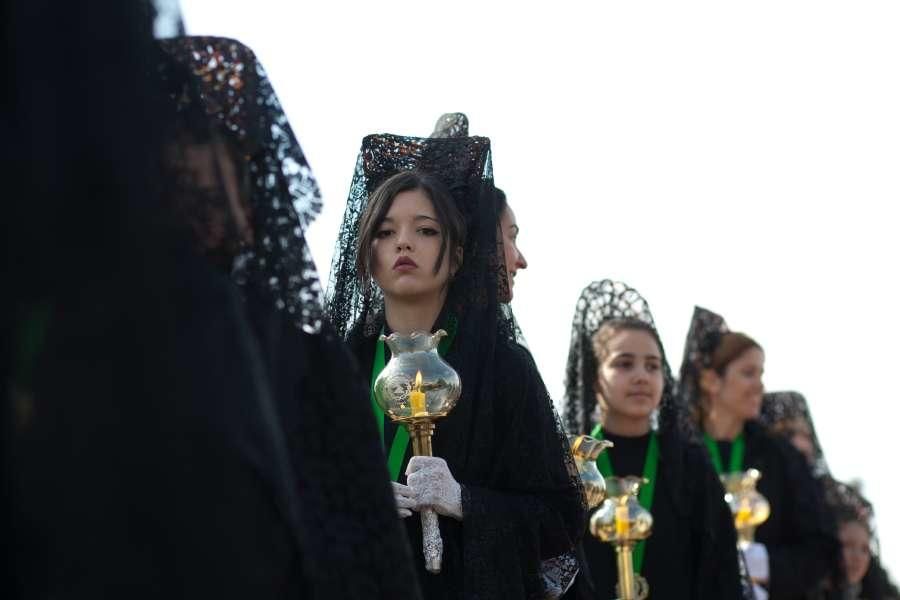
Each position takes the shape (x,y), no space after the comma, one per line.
(757,559)
(760,593)
(405,499)
(434,487)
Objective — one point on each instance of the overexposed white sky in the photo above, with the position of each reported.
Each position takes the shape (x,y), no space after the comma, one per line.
(741,156)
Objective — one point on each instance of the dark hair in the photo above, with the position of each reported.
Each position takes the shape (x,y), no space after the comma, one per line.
(611,327)
(453,226)
(499,202)
(729,348)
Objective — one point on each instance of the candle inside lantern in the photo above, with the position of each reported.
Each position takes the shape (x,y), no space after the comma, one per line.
(742,518)
(622,522)
(417,398)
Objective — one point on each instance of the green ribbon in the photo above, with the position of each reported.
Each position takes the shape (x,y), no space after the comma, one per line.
(645,495)
(736,463)
(401,436)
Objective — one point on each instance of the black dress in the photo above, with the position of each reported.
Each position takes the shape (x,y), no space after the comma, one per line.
(692,550)
(355,544)
(518,499)
(798,534)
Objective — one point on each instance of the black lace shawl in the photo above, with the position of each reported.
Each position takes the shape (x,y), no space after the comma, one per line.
(601,301)
(780,410)
(513,515)
(351,545)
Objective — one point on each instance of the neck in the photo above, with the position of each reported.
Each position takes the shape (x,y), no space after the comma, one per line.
(405,315)
(722,426)
(625,426)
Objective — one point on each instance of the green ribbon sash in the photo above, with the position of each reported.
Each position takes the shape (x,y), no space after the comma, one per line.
(735,463)
(645,495)
(401,436)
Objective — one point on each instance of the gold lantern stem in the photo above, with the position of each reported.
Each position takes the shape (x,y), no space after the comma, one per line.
(421,432)
(432,545)
(626,571)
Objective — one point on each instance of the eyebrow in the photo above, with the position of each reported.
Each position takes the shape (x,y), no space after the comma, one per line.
(633,355)
(416,218)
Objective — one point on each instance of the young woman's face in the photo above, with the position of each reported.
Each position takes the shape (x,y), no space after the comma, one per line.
(513,257)
(739,391)
(630,376)
(222,213)
(857,553)
(406,248)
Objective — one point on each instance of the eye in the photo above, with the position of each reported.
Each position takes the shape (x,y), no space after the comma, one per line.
(383,233)
(625,363)
(428,231)
(653,367)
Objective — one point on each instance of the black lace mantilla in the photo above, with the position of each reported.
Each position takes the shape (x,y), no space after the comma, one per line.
(599,302)
(703,337)
(284,199)
(781,410)
(464,166)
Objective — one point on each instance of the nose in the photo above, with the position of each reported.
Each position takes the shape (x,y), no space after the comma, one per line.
(404,240)
(520,260)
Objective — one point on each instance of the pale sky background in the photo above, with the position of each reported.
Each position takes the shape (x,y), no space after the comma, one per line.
(740,156)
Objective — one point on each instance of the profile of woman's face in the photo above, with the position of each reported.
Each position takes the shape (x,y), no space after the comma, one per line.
(739,391)
(406,247)
(630,376)
(857,552)
(513,257)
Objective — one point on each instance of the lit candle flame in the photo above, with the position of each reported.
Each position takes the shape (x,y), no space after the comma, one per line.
(417,398)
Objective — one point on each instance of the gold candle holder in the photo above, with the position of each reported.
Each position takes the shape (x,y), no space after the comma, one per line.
(416,388)
(749,508)
(622,522)
(585,451)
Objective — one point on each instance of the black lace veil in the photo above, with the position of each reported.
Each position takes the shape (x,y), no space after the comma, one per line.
(782,412)
(599,302)
(464,166)
(702,339)
(283,195)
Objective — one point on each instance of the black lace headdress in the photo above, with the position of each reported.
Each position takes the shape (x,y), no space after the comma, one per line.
(599,302)
(781,411)
(284,198)
(464,166)
(704,334)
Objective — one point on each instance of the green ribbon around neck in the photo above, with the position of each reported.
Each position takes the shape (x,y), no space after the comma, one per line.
(736,463)
(401,436)
(645,495)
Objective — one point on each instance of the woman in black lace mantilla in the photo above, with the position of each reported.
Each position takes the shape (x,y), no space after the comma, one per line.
(619,387)
(419,250)
(721,384)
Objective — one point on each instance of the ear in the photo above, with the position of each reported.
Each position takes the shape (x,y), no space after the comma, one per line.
(456,260)
(710,382)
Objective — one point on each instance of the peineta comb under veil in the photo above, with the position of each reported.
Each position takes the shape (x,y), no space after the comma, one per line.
(514,517)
